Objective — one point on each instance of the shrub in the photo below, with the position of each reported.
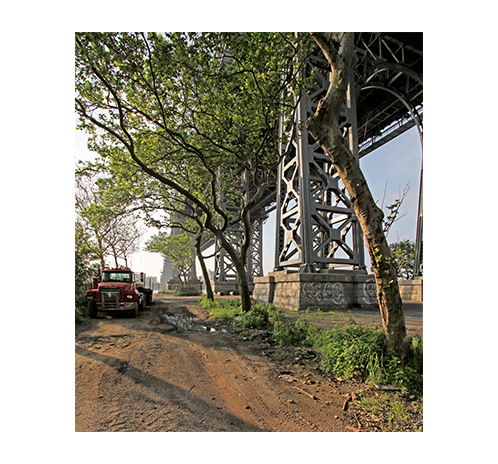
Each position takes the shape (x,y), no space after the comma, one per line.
(256,318)
(286,333)
(310,332)
(415,352)
(81,309)
(349,351)
(357,351)
(224,310)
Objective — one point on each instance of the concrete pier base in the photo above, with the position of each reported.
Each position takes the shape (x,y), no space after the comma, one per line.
(227,287)
(325,290)
(412,291)
(175,284)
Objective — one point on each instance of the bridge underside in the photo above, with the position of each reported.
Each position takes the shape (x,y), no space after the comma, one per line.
(317,231)
(317,227)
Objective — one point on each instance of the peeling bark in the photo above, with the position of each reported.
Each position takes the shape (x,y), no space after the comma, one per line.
(324,127)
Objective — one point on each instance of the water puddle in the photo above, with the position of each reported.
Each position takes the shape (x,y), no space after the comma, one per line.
(184,322)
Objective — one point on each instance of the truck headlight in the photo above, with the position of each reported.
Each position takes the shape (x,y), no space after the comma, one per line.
(89,297)
(130,297)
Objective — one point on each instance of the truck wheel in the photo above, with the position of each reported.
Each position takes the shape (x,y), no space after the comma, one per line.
(92,309)
(149,299)
(134,312)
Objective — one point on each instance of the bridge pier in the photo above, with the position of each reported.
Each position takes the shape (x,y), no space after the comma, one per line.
(226,287)
(293,290)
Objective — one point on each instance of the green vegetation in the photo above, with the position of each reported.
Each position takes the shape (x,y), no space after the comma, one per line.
(179,249)
(224,310)
(81,310)
(351,351)
(84,257)
(392,414)
(403,253)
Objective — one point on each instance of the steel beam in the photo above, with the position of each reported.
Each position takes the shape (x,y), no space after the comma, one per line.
(316,225)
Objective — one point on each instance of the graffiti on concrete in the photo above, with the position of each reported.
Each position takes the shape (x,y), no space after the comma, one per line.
(369,292)
(323,292)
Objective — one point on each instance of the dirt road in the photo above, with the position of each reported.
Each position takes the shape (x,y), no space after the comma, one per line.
(171,369)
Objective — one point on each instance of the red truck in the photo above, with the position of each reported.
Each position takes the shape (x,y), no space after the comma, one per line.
(118,289)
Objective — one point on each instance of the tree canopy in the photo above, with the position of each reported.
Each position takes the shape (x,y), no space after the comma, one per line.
(105,218)
(179,249)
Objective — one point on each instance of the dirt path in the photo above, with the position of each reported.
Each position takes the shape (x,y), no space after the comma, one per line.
(167,371)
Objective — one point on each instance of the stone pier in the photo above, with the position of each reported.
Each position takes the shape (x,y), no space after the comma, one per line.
(175,284)
(325,290)
(227,287)
(412,291)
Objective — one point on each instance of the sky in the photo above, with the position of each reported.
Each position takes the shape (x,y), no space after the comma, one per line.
(396,164)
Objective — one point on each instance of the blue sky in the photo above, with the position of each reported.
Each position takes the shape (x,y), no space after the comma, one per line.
(397,163)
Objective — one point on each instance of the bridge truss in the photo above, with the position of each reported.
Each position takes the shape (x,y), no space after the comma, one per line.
(316,226)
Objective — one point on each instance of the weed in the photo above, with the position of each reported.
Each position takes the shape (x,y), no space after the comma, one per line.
(256,318)
(392,413)
(348,351)
(223,310)
(286,333)
(227,311)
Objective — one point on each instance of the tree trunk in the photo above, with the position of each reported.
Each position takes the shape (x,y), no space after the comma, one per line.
(245,296)
(324,127)
(239,264)
(114,254)
(100,251)
(205,274)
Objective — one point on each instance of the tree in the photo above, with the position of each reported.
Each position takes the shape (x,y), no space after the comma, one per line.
(394,213)
(205,274)
(403,253)
(84,257)
(123,238)
(110,227)
(179,249)
(338,49)
(85,260)
(197,113)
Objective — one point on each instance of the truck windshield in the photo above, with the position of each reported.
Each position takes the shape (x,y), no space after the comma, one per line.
(116,276)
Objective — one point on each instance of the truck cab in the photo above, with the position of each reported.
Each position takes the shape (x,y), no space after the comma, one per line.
(115,290)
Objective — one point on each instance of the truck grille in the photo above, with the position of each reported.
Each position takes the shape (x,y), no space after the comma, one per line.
(110,298)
